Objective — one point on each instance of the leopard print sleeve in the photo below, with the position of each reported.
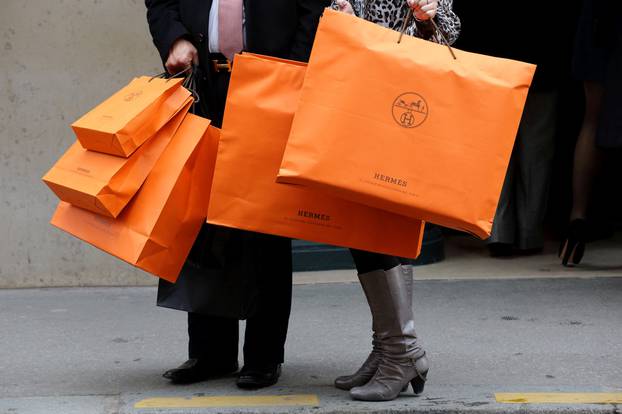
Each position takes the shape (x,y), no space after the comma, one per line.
(391,14)
(446,20)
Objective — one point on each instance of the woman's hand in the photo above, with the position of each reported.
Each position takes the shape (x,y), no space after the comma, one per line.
(344,6)
(424,9)
(181,56)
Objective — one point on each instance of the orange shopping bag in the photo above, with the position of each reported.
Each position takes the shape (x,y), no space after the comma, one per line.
(262,98)
(405,127)
(123,122)
(158,227)
(105,183)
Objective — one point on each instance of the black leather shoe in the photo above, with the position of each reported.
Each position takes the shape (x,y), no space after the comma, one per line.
(251,378)
(573,246)
(196,370)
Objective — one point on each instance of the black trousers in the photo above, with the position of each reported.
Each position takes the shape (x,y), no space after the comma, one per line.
(215,338)
(367,262)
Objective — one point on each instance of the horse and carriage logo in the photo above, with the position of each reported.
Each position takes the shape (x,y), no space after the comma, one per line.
(132,95)
(410,110)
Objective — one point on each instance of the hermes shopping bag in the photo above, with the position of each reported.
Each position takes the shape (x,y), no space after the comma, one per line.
(123,122)
(262,98)
(105,183)
(405,127)
(158,227)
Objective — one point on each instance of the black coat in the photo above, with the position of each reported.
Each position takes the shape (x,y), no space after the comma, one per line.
(281,28)
(221,275)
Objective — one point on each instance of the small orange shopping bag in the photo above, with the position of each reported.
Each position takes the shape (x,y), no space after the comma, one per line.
(158,227)
(262,98)
(405,127)
(105,183)
(123,122)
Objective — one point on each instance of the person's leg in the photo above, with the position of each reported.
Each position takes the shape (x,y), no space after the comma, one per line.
(535,152)
(503,232)
(266,330)
(587,160)
(212,349)
(367,263)
(587,157)
(397,358)
(213,339)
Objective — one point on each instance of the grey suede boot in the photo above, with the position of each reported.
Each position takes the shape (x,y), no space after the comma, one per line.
(402,359)
(364,373)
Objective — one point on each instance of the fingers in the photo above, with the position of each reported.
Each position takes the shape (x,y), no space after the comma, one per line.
(177,62)
(424,9)
(430,7)
(344,6)
(182,55)
(174,66)
(428,11)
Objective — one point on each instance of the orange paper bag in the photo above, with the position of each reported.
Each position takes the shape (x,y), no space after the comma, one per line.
(405,127)
(262,98)
(105,183)
(123,122)
(158,227)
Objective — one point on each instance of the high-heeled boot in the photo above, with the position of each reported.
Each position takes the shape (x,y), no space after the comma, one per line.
(402,359)
(364,373)
(370,366)
(573,246)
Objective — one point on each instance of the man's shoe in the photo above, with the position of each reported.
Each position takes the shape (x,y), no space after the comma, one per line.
(251,378)
(196,370)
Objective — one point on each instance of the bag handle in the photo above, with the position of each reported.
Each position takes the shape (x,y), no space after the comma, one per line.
(190,82)
(165,75)
(409,17)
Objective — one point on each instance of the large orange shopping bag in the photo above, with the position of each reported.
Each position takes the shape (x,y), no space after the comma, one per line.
(123,122)
(262,98)
(105,183)
(405,127)
(158,227)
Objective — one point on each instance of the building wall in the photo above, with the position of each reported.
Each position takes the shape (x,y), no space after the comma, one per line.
(58,58)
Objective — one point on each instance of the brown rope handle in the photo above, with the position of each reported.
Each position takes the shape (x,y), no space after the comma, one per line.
(438,30)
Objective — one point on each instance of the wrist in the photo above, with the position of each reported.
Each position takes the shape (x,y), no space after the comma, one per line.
(423,21)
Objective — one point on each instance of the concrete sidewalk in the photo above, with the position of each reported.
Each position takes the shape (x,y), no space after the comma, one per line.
(468,258)
(103,350)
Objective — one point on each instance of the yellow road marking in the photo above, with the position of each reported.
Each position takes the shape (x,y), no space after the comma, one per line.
(559,398)
(230,401)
